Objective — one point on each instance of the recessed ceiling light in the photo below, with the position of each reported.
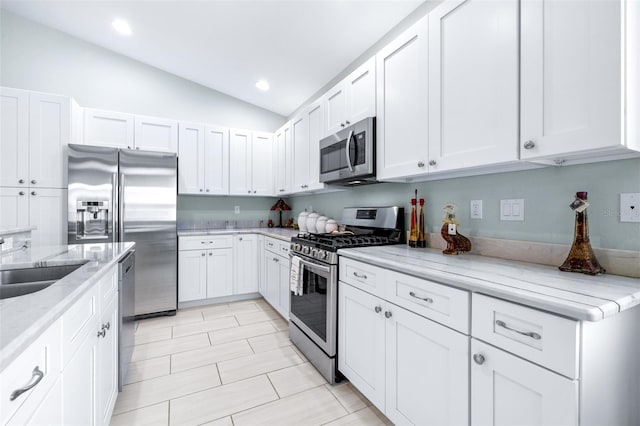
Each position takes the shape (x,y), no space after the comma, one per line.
(121,26)
(262,85)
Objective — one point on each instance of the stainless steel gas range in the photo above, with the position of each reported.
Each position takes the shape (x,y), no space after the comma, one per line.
(314,279)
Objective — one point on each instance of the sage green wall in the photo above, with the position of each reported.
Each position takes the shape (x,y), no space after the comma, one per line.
(203,211)
(547,193)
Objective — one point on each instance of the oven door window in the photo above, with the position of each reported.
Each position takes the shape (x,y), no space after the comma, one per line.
(311,306)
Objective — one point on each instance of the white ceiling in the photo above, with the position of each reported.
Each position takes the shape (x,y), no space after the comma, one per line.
(298,46)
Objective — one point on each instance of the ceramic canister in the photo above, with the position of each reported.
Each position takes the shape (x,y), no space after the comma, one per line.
(311,221)
(321,223)
(302,221)
(331,226)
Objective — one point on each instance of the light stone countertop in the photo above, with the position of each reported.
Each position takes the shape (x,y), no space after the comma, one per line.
(24,318)
(574,295)
(284,234)
(10,231)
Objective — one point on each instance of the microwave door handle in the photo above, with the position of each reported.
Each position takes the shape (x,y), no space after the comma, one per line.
(348,153)
(325,269)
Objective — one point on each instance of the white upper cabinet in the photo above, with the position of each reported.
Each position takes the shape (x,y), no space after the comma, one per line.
(262,163)
(353,99)
(250,167)
(300,133)
(108,128)
(473,84)
(402,105)
(35,128)
(203,159)
(572,87)
(283,160)
(315,127)
(155,134)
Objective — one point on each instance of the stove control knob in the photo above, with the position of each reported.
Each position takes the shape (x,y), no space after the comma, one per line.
(305,249)
(314,252)
(322,255)
(295,247)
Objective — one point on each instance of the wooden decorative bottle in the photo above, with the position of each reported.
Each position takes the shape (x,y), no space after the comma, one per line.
(581,257)
(456,243)
(422,242)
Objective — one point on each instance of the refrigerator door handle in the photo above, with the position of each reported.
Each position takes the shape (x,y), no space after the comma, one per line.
(121,208)
(114,203)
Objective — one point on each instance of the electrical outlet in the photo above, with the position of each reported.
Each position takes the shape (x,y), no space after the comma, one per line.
(476,209)
(512,210)
(236,209)
(630,207)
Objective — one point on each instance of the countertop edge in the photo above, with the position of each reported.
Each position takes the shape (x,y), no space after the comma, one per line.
(17,346)
(259,231)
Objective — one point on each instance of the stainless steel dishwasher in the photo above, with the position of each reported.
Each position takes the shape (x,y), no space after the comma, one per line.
(126,305)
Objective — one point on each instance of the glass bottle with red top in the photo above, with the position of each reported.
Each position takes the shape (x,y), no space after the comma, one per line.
(422,242)
(413,233)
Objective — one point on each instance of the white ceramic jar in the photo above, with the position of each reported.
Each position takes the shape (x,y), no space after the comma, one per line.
(320,224)
(311,221)
(302,221)
(331,226)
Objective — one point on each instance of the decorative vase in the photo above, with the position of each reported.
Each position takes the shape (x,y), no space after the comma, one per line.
(321,223)
(311,222)
(302,221)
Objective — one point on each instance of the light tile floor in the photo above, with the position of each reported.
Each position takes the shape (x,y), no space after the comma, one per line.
(231,364)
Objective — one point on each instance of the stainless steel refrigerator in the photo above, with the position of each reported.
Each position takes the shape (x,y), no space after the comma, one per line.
(123,195)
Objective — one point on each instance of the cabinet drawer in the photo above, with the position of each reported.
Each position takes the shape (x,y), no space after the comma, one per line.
(45,354)
(362,275)
(540,337)
(446,305)
(276,246)
(206,242)
(78,321)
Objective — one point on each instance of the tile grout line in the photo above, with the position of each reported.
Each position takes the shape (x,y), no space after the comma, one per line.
(273,386)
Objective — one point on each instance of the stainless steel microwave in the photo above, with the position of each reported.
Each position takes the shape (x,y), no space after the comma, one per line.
(348,156)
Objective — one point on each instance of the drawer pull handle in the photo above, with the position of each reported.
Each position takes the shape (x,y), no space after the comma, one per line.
(102,333)
(531,334)
(275,259)
(478,358)
(37,375)
(426,299)
(357,275)
(377,309)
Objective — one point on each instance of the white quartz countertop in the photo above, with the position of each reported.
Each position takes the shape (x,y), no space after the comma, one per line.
(24,318)
(9,231)
(577,296)
(284,234)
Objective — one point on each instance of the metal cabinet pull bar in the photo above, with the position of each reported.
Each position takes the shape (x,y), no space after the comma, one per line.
(426,299)
(363,276)
(531,334)
(37,375)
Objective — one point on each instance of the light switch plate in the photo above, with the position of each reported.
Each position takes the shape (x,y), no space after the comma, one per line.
(475,209)
(630,207)
(236,209)
(512,210)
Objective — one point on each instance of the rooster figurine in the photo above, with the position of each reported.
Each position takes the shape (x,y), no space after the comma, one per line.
(456,243)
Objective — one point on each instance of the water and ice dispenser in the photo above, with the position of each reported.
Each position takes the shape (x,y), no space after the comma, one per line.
(92,219)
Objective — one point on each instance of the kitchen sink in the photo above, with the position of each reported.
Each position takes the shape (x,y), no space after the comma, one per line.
(18,282)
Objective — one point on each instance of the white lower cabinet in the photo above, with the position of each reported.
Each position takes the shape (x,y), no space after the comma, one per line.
(220,273)
(276,275)
(508,390)
(413,369)
(246,266)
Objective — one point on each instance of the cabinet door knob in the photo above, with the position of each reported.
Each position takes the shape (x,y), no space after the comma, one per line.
(377,309)
(203,254)
(137,147)
(128,147)
(21,193)
(240,238)
(102,333)
(255,192)
(432,162)
(21,181)
(347,122)
(341,124)
(207,190)
(210,254)
(529,144)
(249,192)
(420,163)
(478,359)
(34,193)
(387,314)
(33,181)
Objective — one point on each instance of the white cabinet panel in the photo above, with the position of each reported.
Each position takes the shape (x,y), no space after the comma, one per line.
(49,412)
(262,163)
(361,91)
(48,213)
(108,128)
(272,285)
(79,399)
(192,275)
(49,133)
(191,159)
(361,342)
(14,137)
(246,264)
(216,160)
(300,145)
(283,160)
(507,390)
(14,208)
(220,272)
(570,77)
(336,108)
(427,369)
(315,126)
(156,134)
(240,162)
(284,288)
(107,363)
(473,115)
(402,104)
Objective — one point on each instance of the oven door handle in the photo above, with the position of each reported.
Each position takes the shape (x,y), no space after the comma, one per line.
(348,150)
(311,265)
